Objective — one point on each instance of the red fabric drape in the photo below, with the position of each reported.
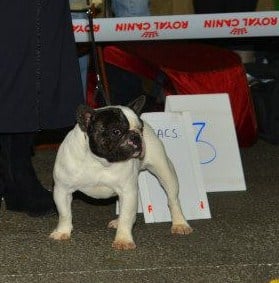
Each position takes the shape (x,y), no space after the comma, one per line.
(193,69)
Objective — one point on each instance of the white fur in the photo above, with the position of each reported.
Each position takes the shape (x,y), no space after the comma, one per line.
(77,168)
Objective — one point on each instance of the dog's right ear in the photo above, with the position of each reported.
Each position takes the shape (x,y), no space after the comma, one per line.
(84,115)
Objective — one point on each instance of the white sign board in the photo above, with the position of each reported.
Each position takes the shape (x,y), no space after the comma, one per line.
(215,138)
(176,132)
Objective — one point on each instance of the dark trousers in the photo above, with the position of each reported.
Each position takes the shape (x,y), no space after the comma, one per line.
(228,6)
(224,6)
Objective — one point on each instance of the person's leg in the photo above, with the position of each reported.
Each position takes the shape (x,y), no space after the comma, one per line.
(126,86)
(240,6)
(224,6)
(244,47)
(22,190)
(208,7)
(83,65)
(83,59)
(130,8)
(1,176)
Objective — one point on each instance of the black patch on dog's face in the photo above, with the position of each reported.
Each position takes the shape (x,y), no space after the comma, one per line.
(110,136)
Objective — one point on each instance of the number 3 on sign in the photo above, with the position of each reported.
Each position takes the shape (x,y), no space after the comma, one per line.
(207,150)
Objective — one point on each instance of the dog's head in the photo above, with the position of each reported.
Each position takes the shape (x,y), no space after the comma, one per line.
(114,132)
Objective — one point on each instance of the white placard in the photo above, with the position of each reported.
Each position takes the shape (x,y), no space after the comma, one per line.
(215,139)
(176,132)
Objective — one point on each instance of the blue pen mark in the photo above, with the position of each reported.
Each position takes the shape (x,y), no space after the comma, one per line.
(199,139)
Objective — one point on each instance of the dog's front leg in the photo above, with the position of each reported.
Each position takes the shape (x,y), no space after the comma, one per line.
(127,216)
(63,199)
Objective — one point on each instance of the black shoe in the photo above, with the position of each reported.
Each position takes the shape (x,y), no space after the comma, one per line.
(20,199)
(1,177)
(22,190)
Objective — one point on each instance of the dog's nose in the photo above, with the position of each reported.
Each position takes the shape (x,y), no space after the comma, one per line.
(135,138)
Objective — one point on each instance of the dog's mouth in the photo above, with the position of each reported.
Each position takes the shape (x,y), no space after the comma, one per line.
(136,143)
(139,150)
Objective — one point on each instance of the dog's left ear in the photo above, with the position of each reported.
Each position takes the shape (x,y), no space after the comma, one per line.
(84,115)
(138,104)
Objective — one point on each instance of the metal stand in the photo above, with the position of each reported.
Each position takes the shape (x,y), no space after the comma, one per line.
(102,88)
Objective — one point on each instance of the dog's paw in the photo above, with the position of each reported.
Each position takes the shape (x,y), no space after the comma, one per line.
(60,236)
(182,229)
(113,224)
(123,245)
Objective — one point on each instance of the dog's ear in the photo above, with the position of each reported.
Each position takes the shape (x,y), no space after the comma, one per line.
(138,104)
(84,115)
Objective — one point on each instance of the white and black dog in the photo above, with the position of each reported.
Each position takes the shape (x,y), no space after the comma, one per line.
(102,157)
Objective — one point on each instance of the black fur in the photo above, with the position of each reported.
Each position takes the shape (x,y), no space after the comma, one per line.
(108,135)
(138,104)
(84,114)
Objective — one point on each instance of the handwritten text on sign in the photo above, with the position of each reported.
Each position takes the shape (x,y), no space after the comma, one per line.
(207,150)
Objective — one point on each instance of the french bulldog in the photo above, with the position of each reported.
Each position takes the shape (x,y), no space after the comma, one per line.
(102,157)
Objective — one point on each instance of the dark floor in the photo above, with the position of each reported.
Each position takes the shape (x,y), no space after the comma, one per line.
(239,244)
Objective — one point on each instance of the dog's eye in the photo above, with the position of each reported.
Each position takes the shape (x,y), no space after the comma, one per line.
(116,132)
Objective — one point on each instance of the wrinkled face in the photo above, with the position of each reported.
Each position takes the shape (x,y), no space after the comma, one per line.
(115,134)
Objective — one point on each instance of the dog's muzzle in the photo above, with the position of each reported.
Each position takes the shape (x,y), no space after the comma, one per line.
(135,140)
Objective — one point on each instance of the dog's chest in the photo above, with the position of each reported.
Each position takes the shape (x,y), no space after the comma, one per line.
(106,182)
(95,176)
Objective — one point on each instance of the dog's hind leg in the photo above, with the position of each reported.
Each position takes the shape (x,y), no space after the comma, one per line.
(63,199)
(165,172)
